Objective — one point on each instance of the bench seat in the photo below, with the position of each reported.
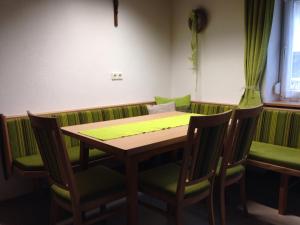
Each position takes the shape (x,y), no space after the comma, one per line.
(275,154)
(34,162)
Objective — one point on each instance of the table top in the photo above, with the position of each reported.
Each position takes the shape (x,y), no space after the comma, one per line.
(131,144)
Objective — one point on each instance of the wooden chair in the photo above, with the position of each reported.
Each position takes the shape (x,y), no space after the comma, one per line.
(239,139)
(78,192)
(3,143)
(193,180)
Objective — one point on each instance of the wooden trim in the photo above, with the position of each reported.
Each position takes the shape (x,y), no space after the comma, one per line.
(81,109)
(275,168)
(281,109)
(283,104)
(29,173)
(213,103)
(7,154)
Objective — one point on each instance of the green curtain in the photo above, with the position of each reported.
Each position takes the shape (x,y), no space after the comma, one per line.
(258,23)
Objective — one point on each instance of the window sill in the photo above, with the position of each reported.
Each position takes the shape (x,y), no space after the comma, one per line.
(283,104)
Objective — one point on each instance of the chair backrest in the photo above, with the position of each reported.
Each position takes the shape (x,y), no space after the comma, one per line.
(205,139)
(53,152)
(240,135)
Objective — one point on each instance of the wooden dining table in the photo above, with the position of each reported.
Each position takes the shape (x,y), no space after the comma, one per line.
(131,149)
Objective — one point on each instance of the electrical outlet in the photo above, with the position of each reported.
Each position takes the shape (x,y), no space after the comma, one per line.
(116,76)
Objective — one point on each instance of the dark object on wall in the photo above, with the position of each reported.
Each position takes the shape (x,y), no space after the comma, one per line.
(116,11)
(202,19)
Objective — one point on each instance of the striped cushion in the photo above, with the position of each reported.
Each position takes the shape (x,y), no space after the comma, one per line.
(68,119)
(124,112)
(22,140)
(90,116)
(21,137)
(279,127)
(209,108)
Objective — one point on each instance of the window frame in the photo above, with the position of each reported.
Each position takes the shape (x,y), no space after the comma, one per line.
(286,57)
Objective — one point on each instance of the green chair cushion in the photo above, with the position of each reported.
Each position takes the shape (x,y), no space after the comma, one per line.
(275,154)
(165,179)
(34,162)
(182,103)
(231,172)
(96,182)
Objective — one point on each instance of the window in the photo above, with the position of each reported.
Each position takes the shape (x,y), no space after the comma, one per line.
(290,61)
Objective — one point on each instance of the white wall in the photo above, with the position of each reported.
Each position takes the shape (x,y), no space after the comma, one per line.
(57,55)
(221,73)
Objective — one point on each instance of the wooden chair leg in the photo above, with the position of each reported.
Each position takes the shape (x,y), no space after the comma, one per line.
(222,203)
(283,192)
(243,194)
(178,216)
(211,213)
(53,212)
(77,217)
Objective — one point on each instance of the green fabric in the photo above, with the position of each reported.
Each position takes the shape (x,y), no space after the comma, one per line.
(68,119)
(209,149)
(209,108)
(231,172)
(134,110)
(258,22)
(90,116)
(181,103)
(275,154)
(194,42)
(123,130)
(165,178)
(112,113)
(34,162)
(22,139)
(96,182)
(279,127)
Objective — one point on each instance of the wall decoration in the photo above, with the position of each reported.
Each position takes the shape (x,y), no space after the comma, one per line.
(116,11)
(197,23)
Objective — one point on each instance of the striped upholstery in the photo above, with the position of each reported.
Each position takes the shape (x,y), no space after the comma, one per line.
(22,140)
(124,112)
(21,137)
(209,108)
(51,150)
(279,127)
(209,138)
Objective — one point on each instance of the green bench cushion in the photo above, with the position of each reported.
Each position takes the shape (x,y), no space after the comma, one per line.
(275,154)
(93,183)
(165,178)
(34,162)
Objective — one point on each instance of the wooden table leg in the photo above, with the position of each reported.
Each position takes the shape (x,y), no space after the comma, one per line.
(84,156)
(132,191)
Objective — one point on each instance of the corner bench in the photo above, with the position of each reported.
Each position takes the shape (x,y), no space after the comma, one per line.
(19,148)
(276,147)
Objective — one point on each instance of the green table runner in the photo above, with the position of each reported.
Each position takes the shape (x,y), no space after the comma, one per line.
(129,129)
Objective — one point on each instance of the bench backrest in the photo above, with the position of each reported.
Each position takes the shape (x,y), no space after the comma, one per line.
(210,108)
(279,126)
(21,138)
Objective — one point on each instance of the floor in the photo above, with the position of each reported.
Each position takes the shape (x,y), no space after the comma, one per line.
(262,193)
